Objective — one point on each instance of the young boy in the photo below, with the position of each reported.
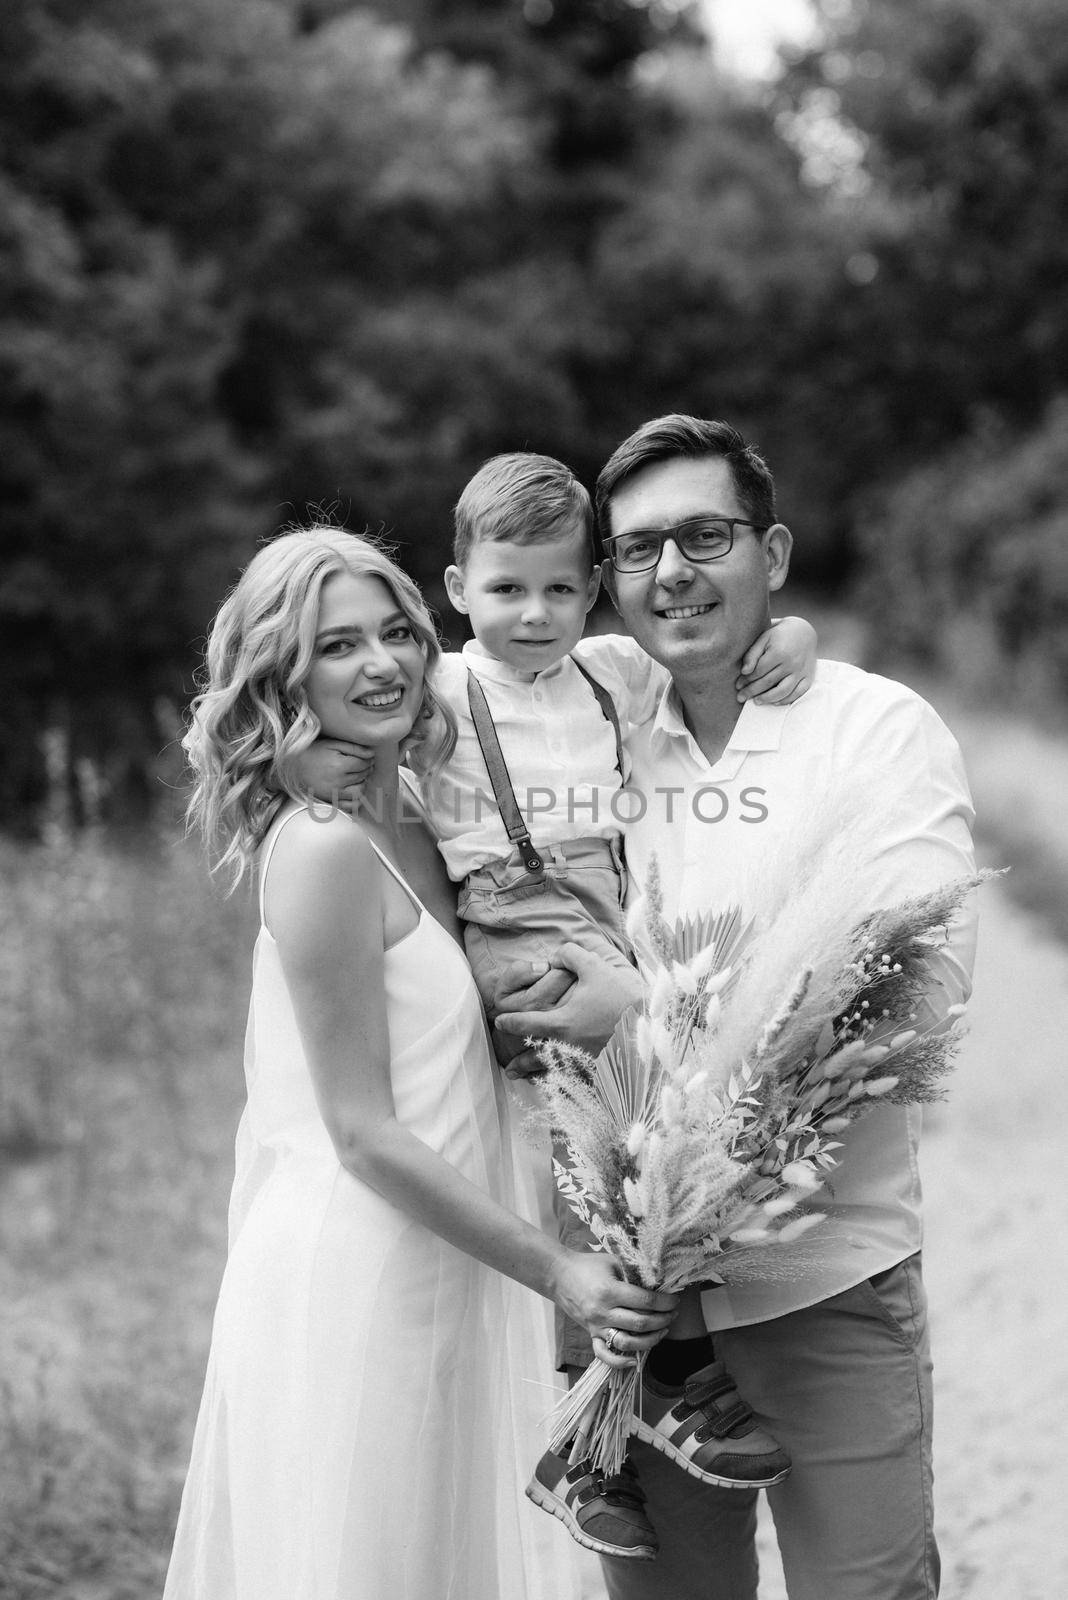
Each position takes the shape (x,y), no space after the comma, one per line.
(529,812)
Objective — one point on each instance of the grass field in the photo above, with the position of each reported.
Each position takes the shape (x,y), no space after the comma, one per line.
(121,1007)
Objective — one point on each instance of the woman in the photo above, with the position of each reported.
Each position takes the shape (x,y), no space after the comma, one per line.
(370,1383)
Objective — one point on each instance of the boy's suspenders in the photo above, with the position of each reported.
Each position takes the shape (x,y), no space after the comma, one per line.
(497,767)
(608,708)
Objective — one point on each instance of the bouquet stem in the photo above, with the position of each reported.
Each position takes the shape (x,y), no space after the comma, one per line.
(595,1418)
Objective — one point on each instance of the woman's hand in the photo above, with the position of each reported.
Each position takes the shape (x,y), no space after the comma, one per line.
(590,1288)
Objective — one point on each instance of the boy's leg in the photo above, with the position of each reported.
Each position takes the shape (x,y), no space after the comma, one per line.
(523,918)
(692,1412)
(604,1514)
(508,916)
(846,1386)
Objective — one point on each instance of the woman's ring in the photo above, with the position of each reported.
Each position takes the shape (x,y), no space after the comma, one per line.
(610,1337)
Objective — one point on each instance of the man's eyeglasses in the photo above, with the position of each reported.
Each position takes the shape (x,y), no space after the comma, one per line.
(699,539)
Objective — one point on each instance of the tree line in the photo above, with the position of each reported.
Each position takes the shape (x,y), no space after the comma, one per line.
(261,255)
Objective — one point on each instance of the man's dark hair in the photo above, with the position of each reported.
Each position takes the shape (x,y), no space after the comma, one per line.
(665,438)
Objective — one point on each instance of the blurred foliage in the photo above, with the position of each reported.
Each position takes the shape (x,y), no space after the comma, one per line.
(267,254)
(256,258)
(960,114)
(958,346)
(966,564)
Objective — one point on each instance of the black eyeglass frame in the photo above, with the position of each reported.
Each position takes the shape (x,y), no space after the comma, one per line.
(662,535)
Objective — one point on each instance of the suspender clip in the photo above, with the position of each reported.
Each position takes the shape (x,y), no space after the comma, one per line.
(531,859)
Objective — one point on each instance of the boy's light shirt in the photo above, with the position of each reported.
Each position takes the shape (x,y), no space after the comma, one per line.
(852,737)
(559,747)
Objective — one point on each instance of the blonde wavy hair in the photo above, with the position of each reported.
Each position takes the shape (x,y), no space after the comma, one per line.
(251,718)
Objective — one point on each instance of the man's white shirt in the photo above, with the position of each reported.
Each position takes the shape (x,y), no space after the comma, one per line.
(853,739)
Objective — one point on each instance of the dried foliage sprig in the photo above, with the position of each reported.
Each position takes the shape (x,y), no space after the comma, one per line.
(697,1135)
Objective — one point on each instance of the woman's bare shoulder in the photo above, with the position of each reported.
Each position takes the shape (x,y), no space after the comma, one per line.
(323,857)
(322,833)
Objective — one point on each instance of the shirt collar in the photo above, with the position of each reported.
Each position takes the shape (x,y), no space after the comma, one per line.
(757,728)
(490,667)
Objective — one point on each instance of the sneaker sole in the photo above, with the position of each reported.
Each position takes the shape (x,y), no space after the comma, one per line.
(643,1431)
(557,1508)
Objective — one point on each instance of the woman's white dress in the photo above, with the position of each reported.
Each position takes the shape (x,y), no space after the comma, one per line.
(373,1396)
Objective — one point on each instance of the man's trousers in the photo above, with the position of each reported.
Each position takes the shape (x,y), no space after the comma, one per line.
(845,1386)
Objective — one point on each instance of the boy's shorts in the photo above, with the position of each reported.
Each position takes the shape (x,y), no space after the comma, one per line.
(510,915)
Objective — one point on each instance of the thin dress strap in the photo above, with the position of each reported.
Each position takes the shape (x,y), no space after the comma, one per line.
(409,782)
(272,840)
(395,873)
(268,851)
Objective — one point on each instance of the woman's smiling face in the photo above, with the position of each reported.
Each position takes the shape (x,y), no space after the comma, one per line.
(366,678)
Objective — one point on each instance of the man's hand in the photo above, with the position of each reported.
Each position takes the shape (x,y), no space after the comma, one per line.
(529,986)
(335,771)
(584,1014)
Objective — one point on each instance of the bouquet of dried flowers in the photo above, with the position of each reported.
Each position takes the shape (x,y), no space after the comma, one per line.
(693,1140)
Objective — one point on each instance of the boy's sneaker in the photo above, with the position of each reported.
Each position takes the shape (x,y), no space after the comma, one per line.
(708,1429)
(605,1514)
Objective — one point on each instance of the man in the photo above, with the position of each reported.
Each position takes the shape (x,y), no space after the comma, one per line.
(833,1359)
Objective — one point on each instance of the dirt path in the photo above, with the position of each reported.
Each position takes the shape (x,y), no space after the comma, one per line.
(997,1205)
(995,1174)
(996,1200)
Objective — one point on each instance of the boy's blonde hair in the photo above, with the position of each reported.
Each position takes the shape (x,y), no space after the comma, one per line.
(252,719)
(521,498)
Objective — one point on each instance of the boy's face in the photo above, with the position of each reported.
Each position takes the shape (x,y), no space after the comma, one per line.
(527,602)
